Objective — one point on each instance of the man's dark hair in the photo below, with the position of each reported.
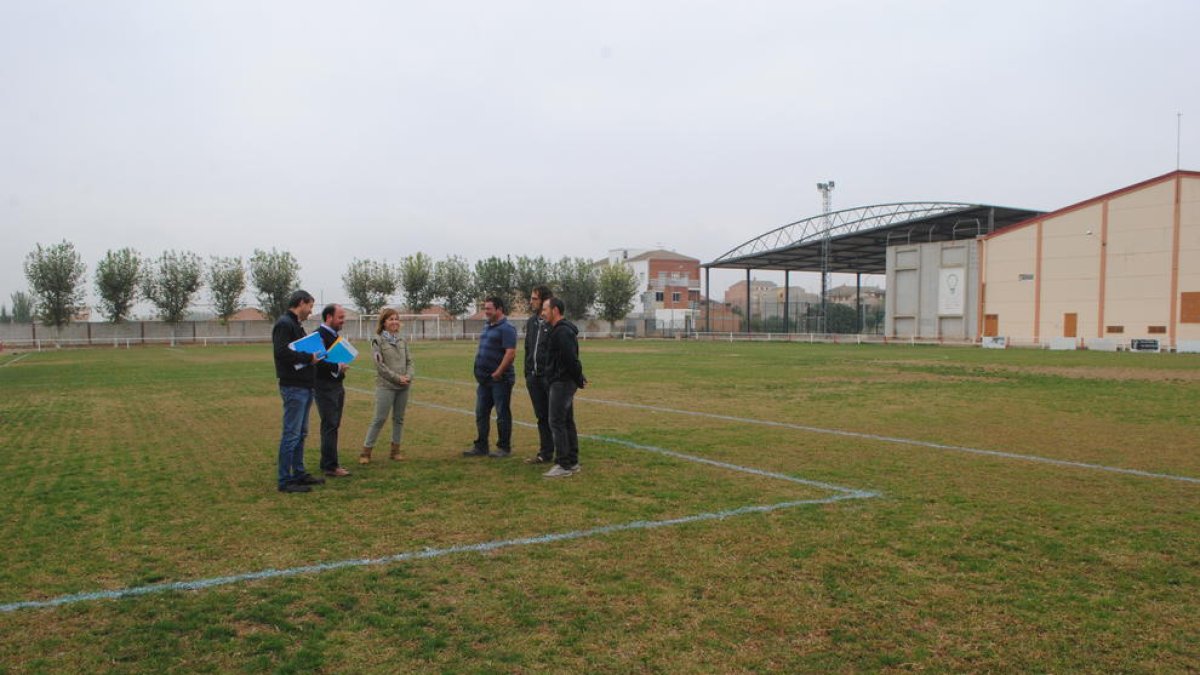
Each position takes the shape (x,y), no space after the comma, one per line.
(299,297)
(543,292)
(328,311)
(497,302)
(558,304)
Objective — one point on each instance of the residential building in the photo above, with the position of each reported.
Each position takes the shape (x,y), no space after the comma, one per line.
(668,285)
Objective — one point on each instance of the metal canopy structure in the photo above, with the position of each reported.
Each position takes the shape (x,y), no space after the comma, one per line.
(858,238)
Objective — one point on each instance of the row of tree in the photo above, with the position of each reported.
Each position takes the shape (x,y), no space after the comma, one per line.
(172,282)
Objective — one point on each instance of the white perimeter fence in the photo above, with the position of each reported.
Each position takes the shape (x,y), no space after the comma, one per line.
(26,336)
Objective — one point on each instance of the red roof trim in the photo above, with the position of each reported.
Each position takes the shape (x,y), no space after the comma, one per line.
(1094,200)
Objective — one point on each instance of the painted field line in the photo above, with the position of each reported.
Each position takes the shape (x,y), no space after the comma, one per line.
(18,358)
(671,453)
(212,582)
(876,437)
(200,584)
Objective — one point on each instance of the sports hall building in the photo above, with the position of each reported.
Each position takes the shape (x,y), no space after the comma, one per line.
(1115,271)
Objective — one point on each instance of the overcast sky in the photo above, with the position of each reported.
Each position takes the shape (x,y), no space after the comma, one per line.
(377,129)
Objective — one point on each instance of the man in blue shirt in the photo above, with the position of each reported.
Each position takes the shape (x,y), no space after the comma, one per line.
(495,375)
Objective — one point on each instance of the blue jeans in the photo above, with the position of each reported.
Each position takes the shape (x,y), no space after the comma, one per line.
(491,393)
(297,402)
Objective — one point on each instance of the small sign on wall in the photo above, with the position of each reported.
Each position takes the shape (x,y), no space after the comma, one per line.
(952,286)
(1144,345)
(995,342)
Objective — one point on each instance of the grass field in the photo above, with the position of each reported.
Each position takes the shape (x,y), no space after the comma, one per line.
(899,546)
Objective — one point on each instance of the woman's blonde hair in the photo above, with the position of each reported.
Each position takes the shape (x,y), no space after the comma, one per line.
(383,317)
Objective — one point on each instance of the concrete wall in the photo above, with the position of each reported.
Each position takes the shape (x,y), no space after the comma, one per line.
(932,290)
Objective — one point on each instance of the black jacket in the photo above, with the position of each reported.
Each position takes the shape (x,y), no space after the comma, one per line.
(563,363)
(537,334)
(286,331)
(327,373)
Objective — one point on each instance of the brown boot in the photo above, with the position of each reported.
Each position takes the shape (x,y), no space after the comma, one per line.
(365,456)
(395,452)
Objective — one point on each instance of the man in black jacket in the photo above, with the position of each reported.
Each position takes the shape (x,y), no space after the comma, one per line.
(330,391)
(295,372)
(537,333)
(564,373)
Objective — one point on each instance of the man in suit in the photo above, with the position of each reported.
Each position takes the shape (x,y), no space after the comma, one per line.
(330,391)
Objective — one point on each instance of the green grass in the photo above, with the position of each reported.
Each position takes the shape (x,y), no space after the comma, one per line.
(144,466)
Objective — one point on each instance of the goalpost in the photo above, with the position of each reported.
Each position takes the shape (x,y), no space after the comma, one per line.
(411,326)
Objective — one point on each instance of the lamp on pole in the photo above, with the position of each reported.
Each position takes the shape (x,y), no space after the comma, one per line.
(826,190)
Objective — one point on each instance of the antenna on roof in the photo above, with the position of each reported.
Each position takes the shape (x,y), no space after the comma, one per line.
(1178,135)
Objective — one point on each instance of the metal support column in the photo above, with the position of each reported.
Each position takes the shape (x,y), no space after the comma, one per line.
(747,299)
(858,300)
(707,302)
(787,326)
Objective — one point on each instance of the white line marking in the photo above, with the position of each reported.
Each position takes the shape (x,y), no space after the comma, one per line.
(199,584)
(876,437)
(18,358)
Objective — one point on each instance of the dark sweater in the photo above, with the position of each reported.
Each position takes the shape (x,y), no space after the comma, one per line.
(562,363)
(286,331)
(537,335)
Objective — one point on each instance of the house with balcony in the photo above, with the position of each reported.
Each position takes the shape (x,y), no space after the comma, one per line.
(668,285)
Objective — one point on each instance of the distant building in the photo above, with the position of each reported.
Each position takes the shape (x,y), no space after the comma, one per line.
(668,285)
(761,293)
(872,296)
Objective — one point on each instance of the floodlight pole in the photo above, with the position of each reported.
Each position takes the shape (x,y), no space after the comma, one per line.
(826,190)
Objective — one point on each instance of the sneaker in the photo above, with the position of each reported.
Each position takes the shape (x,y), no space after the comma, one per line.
(308,479)
(557,471)
(576,468)
(537,459)
(475,452)
(337,473)
(294,487)
(500,453)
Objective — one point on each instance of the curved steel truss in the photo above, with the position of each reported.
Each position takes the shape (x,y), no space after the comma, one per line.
(839,223)
(856,240)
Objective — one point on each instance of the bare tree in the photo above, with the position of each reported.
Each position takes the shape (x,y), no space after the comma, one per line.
(171,281)
(118,276)
(55,275)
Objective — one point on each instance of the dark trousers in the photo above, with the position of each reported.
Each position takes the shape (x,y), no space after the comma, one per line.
(492,394)
(539,397)
(330,401)
(562,423)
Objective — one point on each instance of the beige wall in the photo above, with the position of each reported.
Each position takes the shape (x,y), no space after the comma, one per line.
(1108,270)
(1138,287)
(1189,250)
(1071,271)
(1006,294)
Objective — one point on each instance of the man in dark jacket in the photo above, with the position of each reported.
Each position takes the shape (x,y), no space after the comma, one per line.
(564,374)
(330,391)
(296,373)
(537,333)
